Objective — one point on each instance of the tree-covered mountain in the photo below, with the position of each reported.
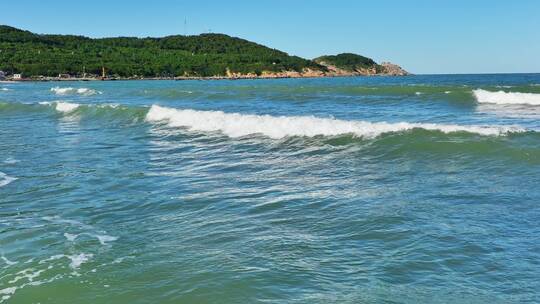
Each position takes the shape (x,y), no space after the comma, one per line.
(202,55)
(32,55)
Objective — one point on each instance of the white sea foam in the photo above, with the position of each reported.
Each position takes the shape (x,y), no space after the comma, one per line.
(61,106)
(103,239)
(29,274)
(506,98)
(66,107)
(88,230)
(51,258)
(8,291)
(8,262)
(5,179)
(237,125)
(78,259)
(5,89)
(79,91)
(70,237)
(108,105)
(120,259)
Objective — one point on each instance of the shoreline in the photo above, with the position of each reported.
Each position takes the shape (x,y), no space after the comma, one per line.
(53,79)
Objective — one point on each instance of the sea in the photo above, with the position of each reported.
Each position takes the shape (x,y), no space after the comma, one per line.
(415,189)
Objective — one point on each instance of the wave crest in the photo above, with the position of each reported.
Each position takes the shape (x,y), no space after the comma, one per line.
(506,98)
(63,107)
(69,91)
(276,127)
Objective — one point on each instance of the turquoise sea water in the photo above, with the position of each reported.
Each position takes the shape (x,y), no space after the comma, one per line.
(420,189)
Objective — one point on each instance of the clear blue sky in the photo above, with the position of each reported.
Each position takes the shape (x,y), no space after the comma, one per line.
(444,36)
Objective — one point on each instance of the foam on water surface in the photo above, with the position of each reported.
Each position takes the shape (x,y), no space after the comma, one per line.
(7,261)
(78,259)
(276,127)
(70,90)
(62,106)
(70,237)
(6,179)
(506,98)
(66,107)
(102,238)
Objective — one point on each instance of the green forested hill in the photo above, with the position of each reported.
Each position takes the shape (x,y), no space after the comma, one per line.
(203,55)
(347,61)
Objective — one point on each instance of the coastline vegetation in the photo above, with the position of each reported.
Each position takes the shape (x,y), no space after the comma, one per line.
(348,61)
(204,55)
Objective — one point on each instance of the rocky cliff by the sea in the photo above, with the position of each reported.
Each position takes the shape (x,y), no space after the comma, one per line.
(348,64)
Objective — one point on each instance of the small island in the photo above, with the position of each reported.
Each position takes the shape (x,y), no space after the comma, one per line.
(29,56)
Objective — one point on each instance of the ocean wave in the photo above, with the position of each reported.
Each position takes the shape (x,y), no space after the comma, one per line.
(307,92)
(70,90)
(506,98)
(66,107)
(5,89)
(63,107)
(276,127)
(6,179)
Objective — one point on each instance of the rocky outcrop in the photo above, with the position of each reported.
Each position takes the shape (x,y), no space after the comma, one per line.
(393,69)
(385,68)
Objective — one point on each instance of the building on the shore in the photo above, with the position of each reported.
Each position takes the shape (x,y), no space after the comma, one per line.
(2,75)
(17,76)
(64,76)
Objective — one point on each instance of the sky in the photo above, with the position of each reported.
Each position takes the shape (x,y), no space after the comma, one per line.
(423,36)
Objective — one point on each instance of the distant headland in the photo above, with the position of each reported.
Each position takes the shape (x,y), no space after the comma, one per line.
(28,56)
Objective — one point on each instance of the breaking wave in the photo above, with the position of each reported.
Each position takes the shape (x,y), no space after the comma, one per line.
(70,91)
(104,111)
(237,125)
(69,107)
(276,127)
(63,107)
(506,98)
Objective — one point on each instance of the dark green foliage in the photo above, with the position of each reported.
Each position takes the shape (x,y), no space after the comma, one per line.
(203,55)
(347,61)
